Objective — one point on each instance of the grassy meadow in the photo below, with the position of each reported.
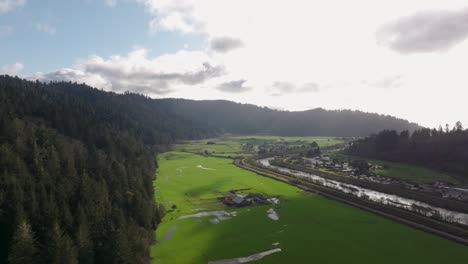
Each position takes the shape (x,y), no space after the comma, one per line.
(412,173)
(231,145)
(407,172)
(310,229)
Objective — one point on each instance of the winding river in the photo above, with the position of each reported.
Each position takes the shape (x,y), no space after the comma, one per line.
(379,197)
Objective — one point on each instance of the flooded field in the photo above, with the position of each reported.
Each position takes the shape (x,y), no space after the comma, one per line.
(379,197)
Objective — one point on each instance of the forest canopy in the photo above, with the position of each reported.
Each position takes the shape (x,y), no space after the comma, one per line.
(444,149)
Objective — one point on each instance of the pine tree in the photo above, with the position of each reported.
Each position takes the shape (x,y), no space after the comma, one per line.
(23,248)
(61,248)
(83,239)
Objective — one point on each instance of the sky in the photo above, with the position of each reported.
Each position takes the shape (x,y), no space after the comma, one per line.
(406,58)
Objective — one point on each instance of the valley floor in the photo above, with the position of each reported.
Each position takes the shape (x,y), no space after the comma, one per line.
(309,228)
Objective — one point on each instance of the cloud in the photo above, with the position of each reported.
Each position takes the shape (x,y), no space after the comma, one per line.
(10,5)
(395,81)
(46,28)
(74,75)
(429,31)
(173,15)
(138,73)
(234,86)
(280,88)
(12,69)
(309,87)
(284,87)
(225,44)
(5,30)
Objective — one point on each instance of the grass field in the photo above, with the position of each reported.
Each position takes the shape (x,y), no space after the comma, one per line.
(310,229)
(412,173)
(408,172)
(231,145)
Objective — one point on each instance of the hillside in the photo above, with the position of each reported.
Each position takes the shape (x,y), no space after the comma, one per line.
(238,118)
(77,166)
(77,163)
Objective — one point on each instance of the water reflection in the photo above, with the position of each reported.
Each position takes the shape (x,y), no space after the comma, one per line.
(379,197)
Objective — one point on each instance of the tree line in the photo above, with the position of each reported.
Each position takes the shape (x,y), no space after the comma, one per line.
(76,172)
(444,149)
(235,118)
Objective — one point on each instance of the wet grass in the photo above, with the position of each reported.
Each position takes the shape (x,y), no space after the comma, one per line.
(311,229)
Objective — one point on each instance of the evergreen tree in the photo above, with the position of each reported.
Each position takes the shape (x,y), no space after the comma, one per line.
(23,248)
(61,248)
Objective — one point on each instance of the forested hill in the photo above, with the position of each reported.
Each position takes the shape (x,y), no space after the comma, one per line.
(76,171)
(445,150)
(250,119)
(77,163)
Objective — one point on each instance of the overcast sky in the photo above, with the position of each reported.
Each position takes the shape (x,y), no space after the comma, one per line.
(405,58)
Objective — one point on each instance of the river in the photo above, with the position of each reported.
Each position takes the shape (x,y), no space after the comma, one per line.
(379,197)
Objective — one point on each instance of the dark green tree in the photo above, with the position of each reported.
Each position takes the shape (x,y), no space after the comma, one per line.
(23,248)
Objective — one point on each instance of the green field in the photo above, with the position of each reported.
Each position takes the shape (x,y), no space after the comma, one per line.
(310,229)
(412,173)
(407,172)
(231,145)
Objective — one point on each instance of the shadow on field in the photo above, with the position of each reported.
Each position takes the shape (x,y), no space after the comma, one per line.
(312,228)
(211,188)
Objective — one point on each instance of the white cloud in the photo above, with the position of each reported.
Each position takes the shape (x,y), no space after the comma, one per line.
(283,87)
(428,31)
(138,72)
(10,5)
(237,86)
(12,69)
(46,28)
(386,82)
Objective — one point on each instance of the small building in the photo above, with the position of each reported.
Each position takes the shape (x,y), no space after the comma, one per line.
(238,199)
(229,198)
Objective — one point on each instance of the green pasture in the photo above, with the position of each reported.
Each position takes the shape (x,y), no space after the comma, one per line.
(231,145)
(310,229)
(407,172)
(412,173)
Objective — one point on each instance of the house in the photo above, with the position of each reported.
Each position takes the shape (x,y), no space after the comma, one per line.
(238,199)
(229,198)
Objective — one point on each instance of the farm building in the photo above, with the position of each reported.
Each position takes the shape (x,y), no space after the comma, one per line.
(233,199)
(229,198)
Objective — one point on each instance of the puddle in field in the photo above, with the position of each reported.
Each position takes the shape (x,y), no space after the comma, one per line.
(180,171)
(250,258)
(168,234)
(272,214)
(217,216)
(197,209)
(203,168)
